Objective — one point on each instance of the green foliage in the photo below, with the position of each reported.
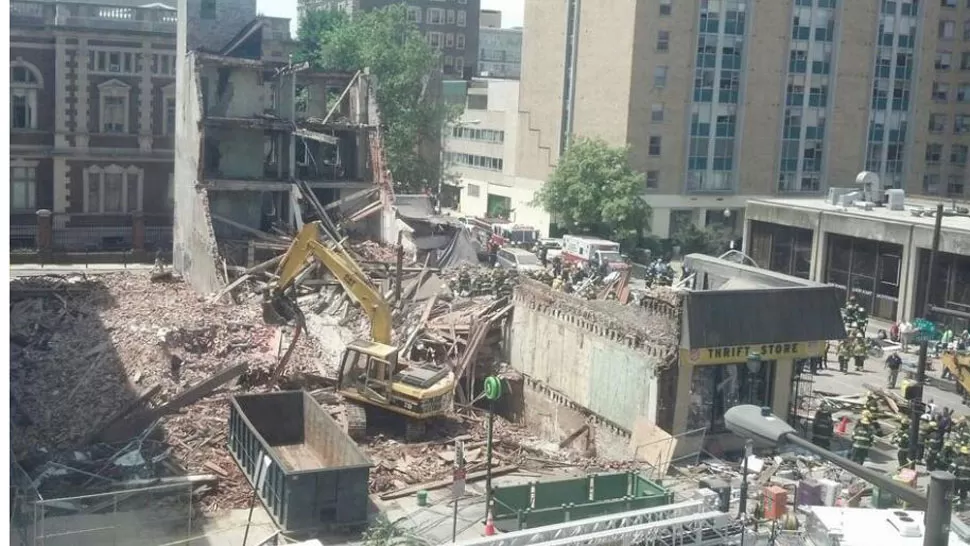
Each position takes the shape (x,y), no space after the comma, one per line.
(403,63)
(314,25)
(711,241)
(595,191)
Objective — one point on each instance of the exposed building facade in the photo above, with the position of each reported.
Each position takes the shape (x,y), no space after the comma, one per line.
(500,52)
(92,122)
(879,255)
(450,26)
(480,152)
(754,110)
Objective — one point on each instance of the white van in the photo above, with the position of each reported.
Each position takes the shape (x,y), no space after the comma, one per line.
(517,259)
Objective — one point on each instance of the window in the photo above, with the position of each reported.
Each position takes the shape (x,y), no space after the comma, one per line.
(208,9)
(961,124)
(958,154)
(948,3)
(940,91)
(436,16)
(114,106)
(963,92)
(944,59)
(954,184)
(436,39)
(657,113)
(663,41)
(23,185)
(966,30)
(459,41)
(937,123)
(931,183)
(451,17)
(477,161)
(450,40)
(474,190)
(113,189)
(459,64)
(965,60)
(946,29)
(934,152)
(654,149)
(660,77)
(414,14)
(168,113)
(665,7)
(461,17)
(653,180)
(25,82)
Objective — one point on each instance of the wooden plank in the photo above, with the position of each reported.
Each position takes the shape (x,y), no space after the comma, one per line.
(130,427)
(572,437)
(445,482)
(124,411)
(247,229)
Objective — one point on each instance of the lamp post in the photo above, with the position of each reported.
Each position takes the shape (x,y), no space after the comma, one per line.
(743,504)
(760,426)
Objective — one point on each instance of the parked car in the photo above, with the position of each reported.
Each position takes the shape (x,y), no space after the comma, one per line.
(518,259)
(553,247)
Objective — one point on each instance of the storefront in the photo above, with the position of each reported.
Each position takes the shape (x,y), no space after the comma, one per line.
(744,346)
(867,269)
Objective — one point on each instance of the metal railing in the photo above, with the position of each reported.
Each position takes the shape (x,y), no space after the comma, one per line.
(146,516)
(32,12)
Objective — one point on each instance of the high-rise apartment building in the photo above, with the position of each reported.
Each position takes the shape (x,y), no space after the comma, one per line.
(500,49)
(722,100)
(449,25)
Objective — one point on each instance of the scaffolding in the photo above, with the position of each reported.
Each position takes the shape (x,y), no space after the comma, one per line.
(693,522)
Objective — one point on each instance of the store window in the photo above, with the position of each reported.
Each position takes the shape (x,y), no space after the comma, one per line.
(868,269)
(784,249)
(949,287)
(717,388)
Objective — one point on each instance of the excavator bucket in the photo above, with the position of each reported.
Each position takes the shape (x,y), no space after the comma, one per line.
(278,311)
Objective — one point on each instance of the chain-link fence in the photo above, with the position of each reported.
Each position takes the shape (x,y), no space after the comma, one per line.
(148,516)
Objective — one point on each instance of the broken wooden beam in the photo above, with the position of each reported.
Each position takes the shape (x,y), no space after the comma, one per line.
(445,482)
(572,437)
(135,404)
(128,428)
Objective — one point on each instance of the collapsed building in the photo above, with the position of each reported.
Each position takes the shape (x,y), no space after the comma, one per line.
(263,145)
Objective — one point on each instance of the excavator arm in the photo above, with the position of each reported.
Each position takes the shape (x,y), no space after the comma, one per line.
(344,268)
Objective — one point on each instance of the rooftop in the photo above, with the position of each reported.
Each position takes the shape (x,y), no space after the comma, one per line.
(120,15)
(881,214)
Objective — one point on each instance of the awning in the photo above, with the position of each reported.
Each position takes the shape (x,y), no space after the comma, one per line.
(724,318)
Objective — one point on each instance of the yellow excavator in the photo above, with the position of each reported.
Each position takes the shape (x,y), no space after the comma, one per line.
(958,363)
(370,372)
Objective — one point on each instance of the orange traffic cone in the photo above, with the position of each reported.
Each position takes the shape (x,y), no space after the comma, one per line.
(840,428)
(489,524)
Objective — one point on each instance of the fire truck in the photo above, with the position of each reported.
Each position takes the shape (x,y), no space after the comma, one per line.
(502,233)
(594,252)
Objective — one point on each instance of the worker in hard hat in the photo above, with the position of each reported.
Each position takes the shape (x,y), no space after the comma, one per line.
(961,470)
(900,439)
(948,455)
(822,425)
(860,349)
(862,437)
(845,353)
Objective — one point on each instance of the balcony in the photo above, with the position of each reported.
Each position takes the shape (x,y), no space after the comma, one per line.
(92,16)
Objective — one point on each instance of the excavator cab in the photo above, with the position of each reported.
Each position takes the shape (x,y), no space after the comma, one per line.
(367,369)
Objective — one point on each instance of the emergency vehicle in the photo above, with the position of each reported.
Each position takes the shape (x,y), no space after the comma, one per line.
(592,251)
(502,233)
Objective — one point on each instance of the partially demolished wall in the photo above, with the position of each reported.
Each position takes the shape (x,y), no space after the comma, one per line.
(195,252)
(616,361)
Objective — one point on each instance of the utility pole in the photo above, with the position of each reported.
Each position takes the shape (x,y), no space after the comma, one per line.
(916,404)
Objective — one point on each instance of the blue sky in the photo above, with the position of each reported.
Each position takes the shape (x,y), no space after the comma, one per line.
(511,10)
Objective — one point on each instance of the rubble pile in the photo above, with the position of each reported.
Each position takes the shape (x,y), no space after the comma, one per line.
(97,364)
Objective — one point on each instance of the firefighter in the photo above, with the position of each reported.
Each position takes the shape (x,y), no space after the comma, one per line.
(845,352)
(948,455)
(861,441)
(859,351)
(894,363)
(872,405)
(822,426)
(961,470)
(934,444)
(901,440)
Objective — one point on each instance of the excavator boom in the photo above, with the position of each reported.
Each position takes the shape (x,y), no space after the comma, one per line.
(344,268)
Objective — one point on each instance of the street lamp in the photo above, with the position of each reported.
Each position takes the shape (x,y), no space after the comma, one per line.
(761,427)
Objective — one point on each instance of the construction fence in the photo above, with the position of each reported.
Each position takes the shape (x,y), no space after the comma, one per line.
(148,516)
(50,234)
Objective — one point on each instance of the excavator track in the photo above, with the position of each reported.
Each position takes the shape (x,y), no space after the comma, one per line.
(414,430)
(356,421)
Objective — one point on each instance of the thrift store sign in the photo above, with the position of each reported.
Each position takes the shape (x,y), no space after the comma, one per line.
(739,353)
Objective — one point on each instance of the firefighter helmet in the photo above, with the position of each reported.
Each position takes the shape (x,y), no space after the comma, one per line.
(865,421)
(965,450)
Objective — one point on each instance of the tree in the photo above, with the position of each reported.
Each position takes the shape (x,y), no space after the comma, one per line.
(595,191)
(403,62)
(314,25)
